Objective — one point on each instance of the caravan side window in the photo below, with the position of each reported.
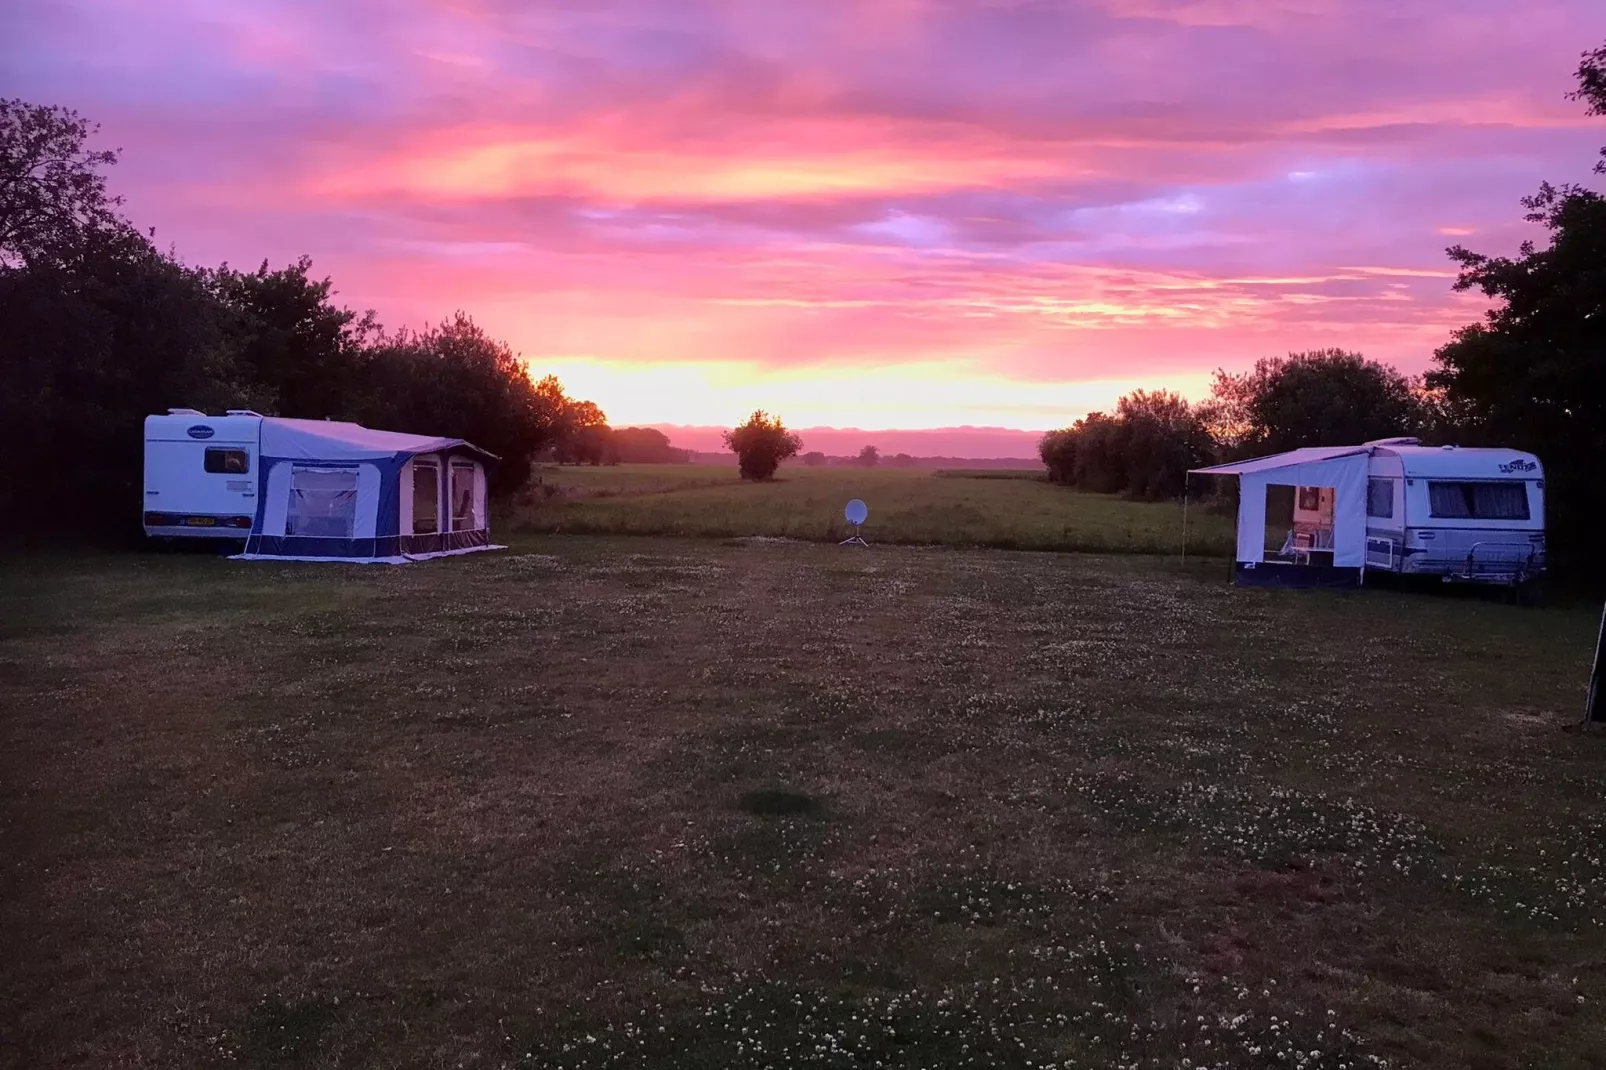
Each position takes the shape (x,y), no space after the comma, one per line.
(1380,498)
(1478,501)
(220,461)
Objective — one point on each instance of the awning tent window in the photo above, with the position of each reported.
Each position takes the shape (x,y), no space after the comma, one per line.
(426,498)
(323,503)
(463,511)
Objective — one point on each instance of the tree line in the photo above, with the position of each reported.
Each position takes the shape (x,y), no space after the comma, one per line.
(1530,375)
(103,328)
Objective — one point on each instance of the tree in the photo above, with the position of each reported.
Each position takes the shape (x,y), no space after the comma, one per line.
(901,460)
(869,456)
(761,444)
(645,445)
(52,191)
(1145,450)
(585,437)
(814,458)
(86,354)
(1325,397)
(1592,90)
(1058,452)
(1163,438)
(302,347)
(456,380)
(1533,374)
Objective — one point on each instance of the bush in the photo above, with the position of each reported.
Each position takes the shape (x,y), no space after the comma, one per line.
(761,444)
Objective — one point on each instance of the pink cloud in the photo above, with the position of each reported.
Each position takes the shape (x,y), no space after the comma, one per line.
(1066,197)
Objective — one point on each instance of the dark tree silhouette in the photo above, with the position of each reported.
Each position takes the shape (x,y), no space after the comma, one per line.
(761,444)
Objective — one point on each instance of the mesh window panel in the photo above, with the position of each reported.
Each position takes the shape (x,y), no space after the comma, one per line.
(323,503)
(426,499)
(463,518)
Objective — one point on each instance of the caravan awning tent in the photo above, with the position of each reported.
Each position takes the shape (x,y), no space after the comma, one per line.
(1338,469)
(343,492)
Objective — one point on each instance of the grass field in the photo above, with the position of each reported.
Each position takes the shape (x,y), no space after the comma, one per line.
(619,803)
(999,509)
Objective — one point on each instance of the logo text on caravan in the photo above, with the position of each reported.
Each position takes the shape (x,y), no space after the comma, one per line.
(1520,465)
(200,431)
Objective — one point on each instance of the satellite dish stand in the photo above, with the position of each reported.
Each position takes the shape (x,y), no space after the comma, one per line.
(855,514)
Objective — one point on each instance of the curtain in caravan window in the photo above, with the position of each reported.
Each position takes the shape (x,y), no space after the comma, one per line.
(1499,501)
(323,503)
(1379,498)
(1478,501)
(1449,500)
(463,518)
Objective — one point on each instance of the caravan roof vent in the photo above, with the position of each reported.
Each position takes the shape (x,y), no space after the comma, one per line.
(1403,440)
(243,412)
(185,412)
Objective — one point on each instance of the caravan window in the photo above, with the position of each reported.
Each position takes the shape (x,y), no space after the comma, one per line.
(426,498)
(1478,501)
(227,462)
(463,518)
(323,503)
(1380,498)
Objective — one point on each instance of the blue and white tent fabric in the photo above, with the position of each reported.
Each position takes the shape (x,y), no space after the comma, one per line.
(1342,469)
(331,491)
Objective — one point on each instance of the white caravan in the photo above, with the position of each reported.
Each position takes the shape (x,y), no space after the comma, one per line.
(1391,505)
(318,490)
(1458,512)
(202,474)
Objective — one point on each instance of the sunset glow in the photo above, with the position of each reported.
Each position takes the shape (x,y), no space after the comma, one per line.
(876,213)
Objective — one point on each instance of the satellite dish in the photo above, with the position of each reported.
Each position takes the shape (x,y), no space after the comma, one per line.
(856,513)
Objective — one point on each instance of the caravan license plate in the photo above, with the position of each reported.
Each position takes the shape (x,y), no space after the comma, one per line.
(201,521)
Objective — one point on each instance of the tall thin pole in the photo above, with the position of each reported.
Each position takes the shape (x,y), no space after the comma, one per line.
(1185,477)
(1595,704)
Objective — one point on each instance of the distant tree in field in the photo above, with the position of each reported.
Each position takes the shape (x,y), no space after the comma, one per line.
(869,456)
(901,460)
(814,458)
(1325,397)
(1532,373)
(645,445)
(761,444)
(584,436)
(1163,438)
(1057,449)
(52,187)
(1144,451)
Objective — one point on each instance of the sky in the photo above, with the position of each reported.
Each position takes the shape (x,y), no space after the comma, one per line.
(867,213)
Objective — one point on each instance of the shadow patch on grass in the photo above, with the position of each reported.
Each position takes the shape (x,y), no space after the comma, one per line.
(773,802)
(279,1033)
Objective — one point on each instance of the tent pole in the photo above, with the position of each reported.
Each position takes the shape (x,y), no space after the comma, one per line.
(1185,477)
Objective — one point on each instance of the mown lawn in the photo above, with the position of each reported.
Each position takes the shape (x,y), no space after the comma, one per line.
(595,803)
(907,506)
